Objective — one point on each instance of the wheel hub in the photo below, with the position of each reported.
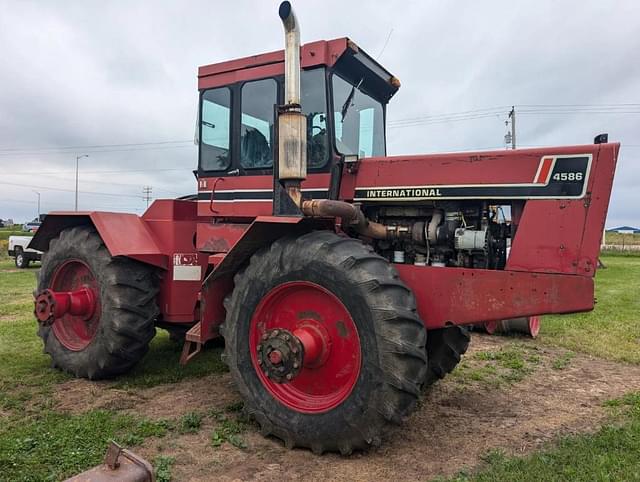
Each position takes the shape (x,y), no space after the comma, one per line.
(51,305)
(280,355)
(71,304)
(305,347)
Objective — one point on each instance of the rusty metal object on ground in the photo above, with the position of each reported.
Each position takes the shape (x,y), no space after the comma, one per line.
(119,465)
(527,325)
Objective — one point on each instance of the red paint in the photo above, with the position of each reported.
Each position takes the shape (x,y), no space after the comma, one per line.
(544,170)
(534,326)
(77,307)
(270,64)
(51,305)
(467,296)
(316,341)
(301,307)
(248,209)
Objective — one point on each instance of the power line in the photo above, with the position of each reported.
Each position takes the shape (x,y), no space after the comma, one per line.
(48,188)
(85,181)
(93,152)
(94,146)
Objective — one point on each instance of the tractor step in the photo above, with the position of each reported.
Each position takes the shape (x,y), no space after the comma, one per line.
(192,344)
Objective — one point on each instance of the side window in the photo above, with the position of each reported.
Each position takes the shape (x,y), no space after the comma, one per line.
(257,123)
(215,138)
(314,106)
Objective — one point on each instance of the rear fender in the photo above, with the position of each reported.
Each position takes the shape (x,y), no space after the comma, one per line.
(219,283)
(123,234)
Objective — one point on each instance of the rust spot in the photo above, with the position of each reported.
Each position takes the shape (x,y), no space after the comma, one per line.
(215,245)
(342,330)
(309,315)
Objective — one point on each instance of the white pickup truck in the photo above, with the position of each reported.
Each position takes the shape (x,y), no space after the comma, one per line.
(23,255)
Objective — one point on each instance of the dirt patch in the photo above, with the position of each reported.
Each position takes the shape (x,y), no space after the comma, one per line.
(9,318)
(457,422)
(163,401)
(455,425)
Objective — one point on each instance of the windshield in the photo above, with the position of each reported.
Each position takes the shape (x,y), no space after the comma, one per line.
(359,120)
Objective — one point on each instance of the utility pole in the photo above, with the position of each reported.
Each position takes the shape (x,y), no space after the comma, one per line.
(38,204)
(77,159)
(147,193)
(512,116)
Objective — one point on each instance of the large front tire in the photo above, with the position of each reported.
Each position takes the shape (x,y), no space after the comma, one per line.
(117,334)
(372,364)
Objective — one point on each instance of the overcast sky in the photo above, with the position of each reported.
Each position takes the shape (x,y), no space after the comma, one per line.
(90,73)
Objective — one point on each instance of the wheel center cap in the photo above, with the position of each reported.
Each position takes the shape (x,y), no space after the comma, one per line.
(280,355)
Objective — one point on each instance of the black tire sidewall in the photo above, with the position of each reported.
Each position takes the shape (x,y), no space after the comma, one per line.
(334,421)
(71,360)
(21,260)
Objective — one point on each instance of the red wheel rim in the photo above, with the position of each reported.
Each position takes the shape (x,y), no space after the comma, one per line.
(326,382)
(73,331)
(534,326)
(491,327)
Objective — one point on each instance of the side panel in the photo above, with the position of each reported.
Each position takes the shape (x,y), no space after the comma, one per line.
(124,234)
(249,196)
(465,296)
(262,232)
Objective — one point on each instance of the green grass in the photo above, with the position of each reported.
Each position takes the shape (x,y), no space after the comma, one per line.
(507,365)
(230,428)
(190,422)
(617,238)
(53,446)
(612,329)
(609,454)
(162,465)
(24,365)
(38,443)
(14,231)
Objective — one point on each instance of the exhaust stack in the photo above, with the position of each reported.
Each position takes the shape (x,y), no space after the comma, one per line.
(292,124)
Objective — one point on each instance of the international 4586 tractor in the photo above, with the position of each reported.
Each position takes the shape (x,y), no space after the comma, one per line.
(340,278)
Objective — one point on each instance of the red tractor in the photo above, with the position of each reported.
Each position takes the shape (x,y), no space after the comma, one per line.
(340,278)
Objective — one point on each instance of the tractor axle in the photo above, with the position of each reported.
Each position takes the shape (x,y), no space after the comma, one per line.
(51,305)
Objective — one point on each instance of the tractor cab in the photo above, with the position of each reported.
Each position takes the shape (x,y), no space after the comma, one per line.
(344,93)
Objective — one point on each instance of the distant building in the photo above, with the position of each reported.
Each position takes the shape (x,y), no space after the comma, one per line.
(624,230)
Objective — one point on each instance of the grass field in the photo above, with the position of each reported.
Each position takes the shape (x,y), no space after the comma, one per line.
(622,239)
(39,442)
(612,329)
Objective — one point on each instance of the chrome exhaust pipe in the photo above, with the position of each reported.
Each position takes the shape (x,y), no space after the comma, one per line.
(292,124)
(291,54)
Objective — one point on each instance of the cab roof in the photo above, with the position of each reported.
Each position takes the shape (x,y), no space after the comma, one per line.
(315,54)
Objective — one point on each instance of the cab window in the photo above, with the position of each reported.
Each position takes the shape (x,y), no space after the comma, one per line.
(359,120)
(257,124)
(314,106)
(215,134)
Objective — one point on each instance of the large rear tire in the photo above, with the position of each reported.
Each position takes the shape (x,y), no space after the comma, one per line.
(372,362)
(445,347)
(118,333)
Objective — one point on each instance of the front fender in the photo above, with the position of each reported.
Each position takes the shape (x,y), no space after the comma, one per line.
(123,234)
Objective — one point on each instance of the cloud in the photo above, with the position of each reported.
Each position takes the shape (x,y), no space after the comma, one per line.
(88,73)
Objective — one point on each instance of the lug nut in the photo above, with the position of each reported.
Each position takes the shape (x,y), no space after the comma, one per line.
(289,376)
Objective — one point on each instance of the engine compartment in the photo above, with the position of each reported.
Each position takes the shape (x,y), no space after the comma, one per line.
(466,234)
